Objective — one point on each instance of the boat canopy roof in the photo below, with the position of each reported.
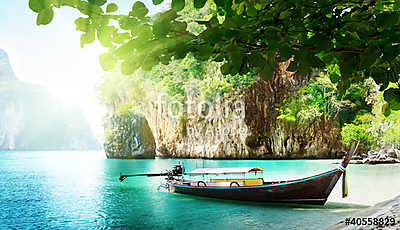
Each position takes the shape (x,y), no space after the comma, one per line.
(240,170)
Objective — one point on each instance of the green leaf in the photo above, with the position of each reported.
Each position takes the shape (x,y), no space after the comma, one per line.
(178,5)
(71,3)
(98,2)
(285,52)
(315,61)
(161,28)
(128,23)
(353,35)
(236,58)
(307,60)
(38,5)
(250,10)
(162,24)
(240,8)
(120,38)
(139,9)
(304,69)
(226,68)
(322,42)
(204,52)
(198,4)
(129,66)
(112,7)
(387,19)
(82,24)
(334,77)
(148,62)
(157,2)
(369,56)
(256,59)
(386,109)
(45,16)
(165,59)
(180,50)
(293,66)
(284,15)
(267,72)
(89,8)
(392,96)
(105,35)
(107,61)
(220,3)
(179,26)
(88,37)
(211,35)
(125,50)
(390,52)
(144,32)
(348,63)
(381,77)
(260,5)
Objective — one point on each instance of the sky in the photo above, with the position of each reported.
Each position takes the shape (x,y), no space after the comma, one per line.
(51,55)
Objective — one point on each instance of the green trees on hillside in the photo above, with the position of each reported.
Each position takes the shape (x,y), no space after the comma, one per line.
(374,129)
(359,112)
(175,81)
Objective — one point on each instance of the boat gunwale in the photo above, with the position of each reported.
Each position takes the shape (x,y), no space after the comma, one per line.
(263,186)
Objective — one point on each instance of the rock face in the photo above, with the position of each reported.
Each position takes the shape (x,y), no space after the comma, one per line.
(386,155)
(31,119)
(244,126)
(130,137)
(6,72)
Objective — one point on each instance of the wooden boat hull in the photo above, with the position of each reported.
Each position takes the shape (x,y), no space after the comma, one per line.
(311,190)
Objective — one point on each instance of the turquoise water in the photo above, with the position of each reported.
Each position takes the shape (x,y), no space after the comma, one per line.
(80,190)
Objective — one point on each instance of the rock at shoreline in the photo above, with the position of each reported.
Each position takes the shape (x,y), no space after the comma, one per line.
(383,156)
(129,137)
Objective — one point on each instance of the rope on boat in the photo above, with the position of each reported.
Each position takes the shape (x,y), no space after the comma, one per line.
(345,189)
(163,186)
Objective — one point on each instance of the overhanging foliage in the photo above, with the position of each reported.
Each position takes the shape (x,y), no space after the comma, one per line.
(352,40)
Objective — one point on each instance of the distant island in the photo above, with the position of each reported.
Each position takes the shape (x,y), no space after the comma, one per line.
(32,119)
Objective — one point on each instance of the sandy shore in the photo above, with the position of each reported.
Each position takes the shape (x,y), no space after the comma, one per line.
(390,209)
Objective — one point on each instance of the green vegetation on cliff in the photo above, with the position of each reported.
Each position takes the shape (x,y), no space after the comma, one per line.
(374,129)
(359,112)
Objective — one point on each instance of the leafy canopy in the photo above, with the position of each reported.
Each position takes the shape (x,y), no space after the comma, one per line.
(351,39)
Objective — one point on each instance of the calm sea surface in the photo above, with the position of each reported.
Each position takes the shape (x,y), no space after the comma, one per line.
(80,190)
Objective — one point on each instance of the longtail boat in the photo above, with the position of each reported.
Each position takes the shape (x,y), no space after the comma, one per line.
(310,190)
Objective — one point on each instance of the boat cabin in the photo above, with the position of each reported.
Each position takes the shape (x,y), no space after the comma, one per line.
(224,177)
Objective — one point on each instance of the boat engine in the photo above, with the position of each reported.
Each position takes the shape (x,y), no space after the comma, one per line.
(177,170)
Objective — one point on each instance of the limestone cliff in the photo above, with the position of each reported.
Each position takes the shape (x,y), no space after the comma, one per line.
(248,131)
(31,119)
(129,136)
(6,72)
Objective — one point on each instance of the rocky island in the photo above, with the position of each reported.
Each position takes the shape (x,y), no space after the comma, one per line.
(288,117)
(32,119)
